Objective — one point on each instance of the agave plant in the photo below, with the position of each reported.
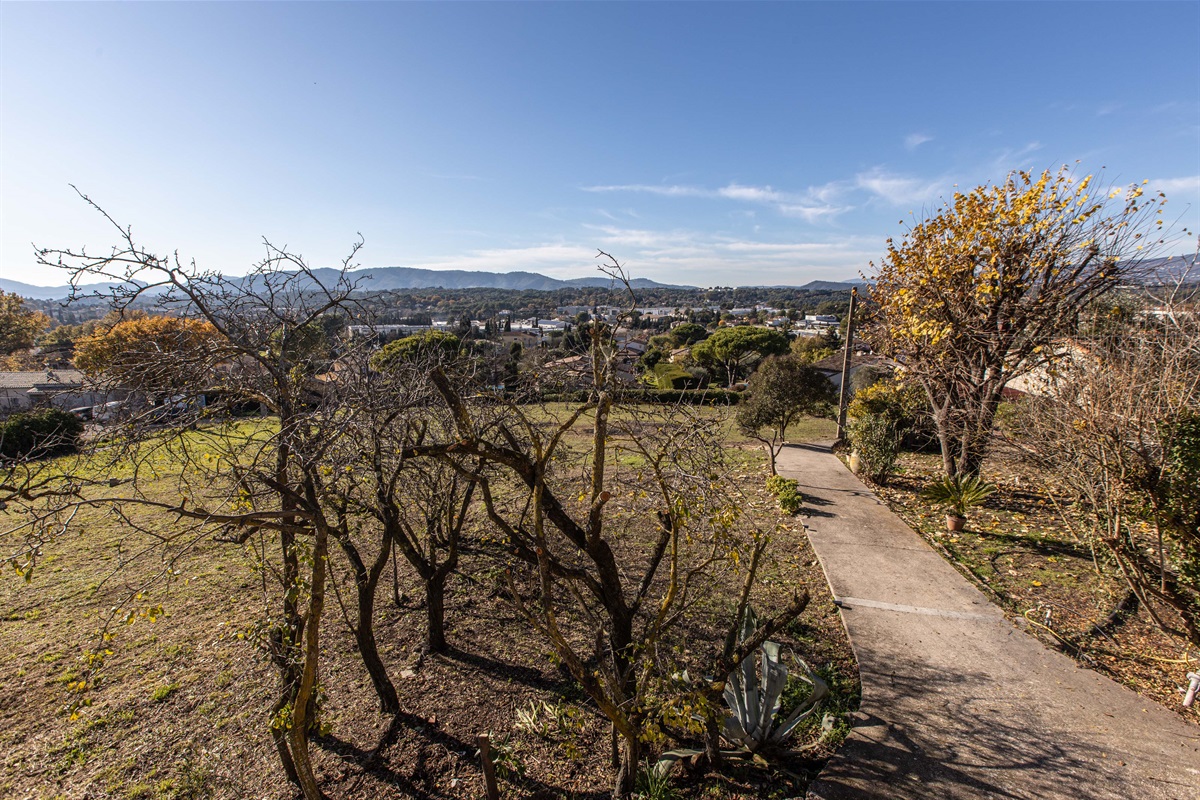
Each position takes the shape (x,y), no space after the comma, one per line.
(754,697)
(958,493)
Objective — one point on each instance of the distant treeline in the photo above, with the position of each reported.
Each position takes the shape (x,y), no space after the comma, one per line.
(398,307)
(488,303)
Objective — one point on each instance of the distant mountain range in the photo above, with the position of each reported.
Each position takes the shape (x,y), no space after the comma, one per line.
(395,278)
(830,286)
(378,279)
(49,292)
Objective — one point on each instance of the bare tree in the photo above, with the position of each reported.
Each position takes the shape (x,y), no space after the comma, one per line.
(417,506)
(625,513)
(1116,419)
(260,478)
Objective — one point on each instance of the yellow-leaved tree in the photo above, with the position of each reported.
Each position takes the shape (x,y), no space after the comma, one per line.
(979,293)
(19,328)
(131,353)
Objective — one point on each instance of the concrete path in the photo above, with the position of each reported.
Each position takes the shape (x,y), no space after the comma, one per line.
(958,703)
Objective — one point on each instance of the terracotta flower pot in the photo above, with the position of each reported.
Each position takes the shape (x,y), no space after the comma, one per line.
(955,523)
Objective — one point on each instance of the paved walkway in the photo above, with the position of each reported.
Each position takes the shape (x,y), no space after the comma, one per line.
(958,703)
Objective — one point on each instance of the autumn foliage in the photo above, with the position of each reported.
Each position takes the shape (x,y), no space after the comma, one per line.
(133,351)
(973,296)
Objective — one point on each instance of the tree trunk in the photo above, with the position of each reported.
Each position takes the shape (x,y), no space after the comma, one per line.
(627,773)
(285,642)
(975,437)
(364,636)
(366,583)
(435,603)
(621,641)
(279,735)
(712,740)
(306,692)
(945,437)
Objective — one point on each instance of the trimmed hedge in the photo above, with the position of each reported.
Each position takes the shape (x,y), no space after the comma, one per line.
(707,397)
(39,433)
(672,377)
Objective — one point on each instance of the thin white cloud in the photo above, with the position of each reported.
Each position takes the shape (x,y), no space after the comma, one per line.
(537,258)
(815,204)
(1189,185)
(899,190)
(811,213)
(751,194)
(665,191)
(610,235)
(915,140)
(1170,105)
(678,256)
(1011,158)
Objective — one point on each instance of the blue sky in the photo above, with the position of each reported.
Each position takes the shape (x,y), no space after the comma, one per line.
(710,143)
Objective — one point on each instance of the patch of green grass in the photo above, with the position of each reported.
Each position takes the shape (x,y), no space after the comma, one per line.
(163,691)
(812,429)
(74,751)
(139,791)
(68,675)
(176,650)
(843,698)
(651,784)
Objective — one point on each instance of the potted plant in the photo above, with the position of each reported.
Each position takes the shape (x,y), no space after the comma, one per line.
(958,493)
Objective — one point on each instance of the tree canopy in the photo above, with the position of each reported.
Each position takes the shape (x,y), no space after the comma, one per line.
(132,352)
(439,346)
(19,326)
(972,296)
(783,389)
(687,333)
(734,350)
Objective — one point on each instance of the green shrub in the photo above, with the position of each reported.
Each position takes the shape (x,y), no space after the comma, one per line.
(877,440)
(791,501)
(706,397)
(35,434)
(777,483)
(904,405)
